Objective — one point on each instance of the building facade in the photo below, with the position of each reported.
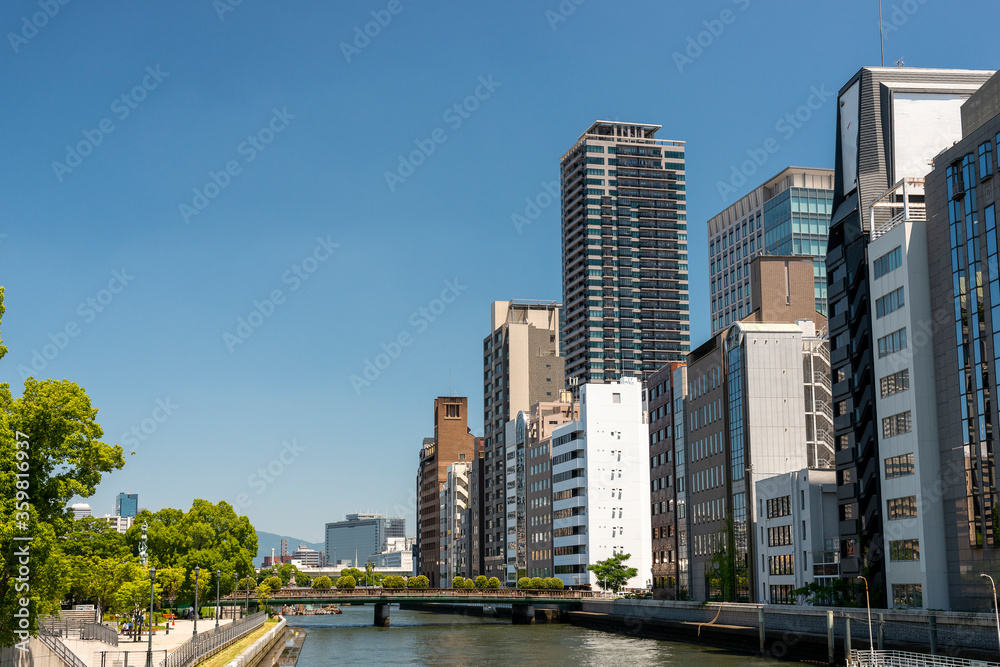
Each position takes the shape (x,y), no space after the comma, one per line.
(454,509)
(663,482)
(624,253)
(127,505)
(890,123)
(600,477)
(787,215)
(452,442)
(521,367)
(351,541)
(962,201)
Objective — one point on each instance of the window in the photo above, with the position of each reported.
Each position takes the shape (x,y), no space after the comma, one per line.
(907,595)
(781,564)
(898,466)
(985,160)
(888,262)
(890,302)
(904,550)
(782,594)
(779,507)
(902,508)
(779,536)
(451,410)
(896,424)
(892,343)
(895,383)
(616,398)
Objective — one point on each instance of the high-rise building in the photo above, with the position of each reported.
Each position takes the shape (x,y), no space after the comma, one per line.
(521,367)
(624,253)
(600,482)
(307,556)
(80,510)
(452,442)
(890,123)
(351,541)
(963,198)
(127,504)
(454,505)
(663,464)
(787,215)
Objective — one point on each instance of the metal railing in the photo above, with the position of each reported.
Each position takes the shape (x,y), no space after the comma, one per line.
(206,643)
(129,658)
(60,649)
(405,593)
(100,632)
(86,630)
(863,658)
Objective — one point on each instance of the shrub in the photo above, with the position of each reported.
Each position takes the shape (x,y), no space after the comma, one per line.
(458,582)
(469,583)
(481,581)
(274,583)
(536,583)
(554,583)
(393,581)
(347,583)
(322,583)
(524,582)
(418,582)
(493,583)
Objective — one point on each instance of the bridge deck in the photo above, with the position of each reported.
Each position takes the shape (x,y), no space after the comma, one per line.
(449,595)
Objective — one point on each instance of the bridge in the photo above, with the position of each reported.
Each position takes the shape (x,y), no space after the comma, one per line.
(522,601)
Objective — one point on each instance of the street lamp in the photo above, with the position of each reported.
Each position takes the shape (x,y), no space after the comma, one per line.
(197,570)
(995,607)
(218,603)
(871,641)
(149,646)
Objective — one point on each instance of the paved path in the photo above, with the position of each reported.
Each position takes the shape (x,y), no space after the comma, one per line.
(180,632)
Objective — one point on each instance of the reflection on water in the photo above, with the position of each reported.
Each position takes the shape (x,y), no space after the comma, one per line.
(445,640)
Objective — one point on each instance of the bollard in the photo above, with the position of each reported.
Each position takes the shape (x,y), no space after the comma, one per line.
(932,629)
(829,637)
(847,636)
(760,624)
(881,632)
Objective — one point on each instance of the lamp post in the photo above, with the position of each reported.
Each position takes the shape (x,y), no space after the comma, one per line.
(218,602)
(871,641)
(149,646)
(197,570)
(995,607)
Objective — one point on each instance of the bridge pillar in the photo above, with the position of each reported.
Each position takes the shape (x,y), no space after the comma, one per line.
(522,614)
(381,615)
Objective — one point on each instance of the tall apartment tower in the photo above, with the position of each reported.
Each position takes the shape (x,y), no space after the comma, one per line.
(452,442)
(787,215)
(127,505)
(521,367)
(624,254)
(890,123)
(963,202)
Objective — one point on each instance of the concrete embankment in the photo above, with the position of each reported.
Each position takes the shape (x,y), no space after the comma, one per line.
(543,613)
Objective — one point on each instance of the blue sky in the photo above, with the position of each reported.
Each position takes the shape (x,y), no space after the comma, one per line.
(174,169)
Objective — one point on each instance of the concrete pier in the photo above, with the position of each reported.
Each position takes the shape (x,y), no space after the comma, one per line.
(522,614)
(381,615)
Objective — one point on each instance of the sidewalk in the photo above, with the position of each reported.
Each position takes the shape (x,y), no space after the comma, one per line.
(179,633)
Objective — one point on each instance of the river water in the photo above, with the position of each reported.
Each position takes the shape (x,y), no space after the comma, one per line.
(445,640)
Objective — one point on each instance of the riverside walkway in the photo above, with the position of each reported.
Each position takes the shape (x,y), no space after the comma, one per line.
(89,651)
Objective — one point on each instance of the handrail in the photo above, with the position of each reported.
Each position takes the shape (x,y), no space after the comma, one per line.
(206,643)
(378,592)
(869,658)
(60,649)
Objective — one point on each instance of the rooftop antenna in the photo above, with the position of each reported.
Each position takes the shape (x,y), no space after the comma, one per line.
(899,63)
(881,44)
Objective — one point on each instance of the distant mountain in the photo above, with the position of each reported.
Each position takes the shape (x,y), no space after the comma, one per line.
(267,540)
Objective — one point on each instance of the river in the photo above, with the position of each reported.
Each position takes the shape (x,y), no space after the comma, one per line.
(445,640)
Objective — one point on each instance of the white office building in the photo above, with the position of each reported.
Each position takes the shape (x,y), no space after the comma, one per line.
(600,485)
(797,533)
(454,503)
(906,402)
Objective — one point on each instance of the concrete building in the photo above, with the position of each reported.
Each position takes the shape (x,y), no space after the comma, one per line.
(454,505)
(397,556)
(127,505)
(600,477)
(660,392)
(308,557)
(787,215)
(119,523)
(624,253)
(80,510)
(963,195)
(890,123)
(452,442)
(349,542)
(797,534)
(521,367)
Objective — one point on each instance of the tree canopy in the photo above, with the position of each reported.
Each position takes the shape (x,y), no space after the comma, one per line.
(612,574)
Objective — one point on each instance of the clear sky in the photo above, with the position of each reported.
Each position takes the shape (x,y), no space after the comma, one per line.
(174,169)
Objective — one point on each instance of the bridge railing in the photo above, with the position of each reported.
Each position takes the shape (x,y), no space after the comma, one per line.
(443,593)
(862,658)
(207,643)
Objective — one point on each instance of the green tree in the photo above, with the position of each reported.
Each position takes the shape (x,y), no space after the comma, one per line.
(493,583)
(468,584)
(418,582)
(133,595)
(347,582)
(536,583)
(353,572)
(554,583)
(170,579)
(302,580)
(263,594)
(458,582)
(395,581)
(481,581)
(322,583)
(105,576)
(524,582)
(612,572)
(274,583)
